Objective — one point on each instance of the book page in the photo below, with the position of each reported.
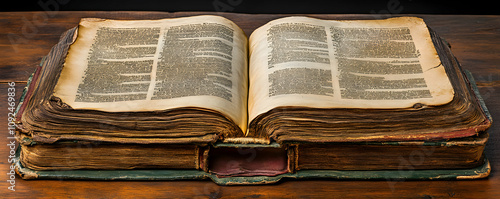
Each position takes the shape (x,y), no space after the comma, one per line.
(301,61)
(150,65)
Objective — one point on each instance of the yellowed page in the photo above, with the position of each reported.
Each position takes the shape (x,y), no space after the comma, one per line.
(149,65)
(301,61)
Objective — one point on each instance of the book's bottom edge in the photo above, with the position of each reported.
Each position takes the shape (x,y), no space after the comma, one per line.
(173,174)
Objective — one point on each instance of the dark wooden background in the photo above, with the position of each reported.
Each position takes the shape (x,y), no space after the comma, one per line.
(27,36)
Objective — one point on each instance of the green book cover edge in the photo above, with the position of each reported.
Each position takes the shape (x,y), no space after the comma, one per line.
(175,174)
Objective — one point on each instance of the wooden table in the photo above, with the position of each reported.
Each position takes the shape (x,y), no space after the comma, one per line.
(27,36)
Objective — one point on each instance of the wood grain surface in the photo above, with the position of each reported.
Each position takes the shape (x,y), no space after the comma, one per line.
(25,37)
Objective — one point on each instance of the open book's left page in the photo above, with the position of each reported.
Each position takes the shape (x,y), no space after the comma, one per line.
(150,65)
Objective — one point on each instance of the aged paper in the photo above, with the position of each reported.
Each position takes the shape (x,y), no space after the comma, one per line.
(150,65)
(300,61)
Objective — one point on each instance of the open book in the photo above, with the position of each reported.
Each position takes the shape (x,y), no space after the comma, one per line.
(199,79)
(300,93)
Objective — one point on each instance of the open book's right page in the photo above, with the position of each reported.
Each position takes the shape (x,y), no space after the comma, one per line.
(301,61)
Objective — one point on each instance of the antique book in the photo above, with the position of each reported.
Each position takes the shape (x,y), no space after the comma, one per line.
(298,94)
